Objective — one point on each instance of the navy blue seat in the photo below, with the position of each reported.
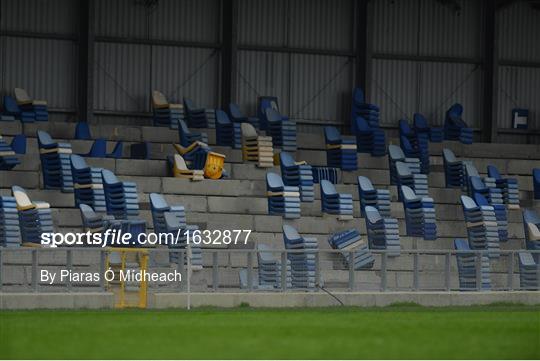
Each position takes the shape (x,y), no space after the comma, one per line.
(8,157)
(395,155)
(369,138)
(413,145)
(297,174)
(31,109)
(340,152)
(238,117)
(82,131)
(455,127)
(10,232)
(196,117)
(282,200)
(121,197)
(369,196)
(228,134)
(302,258)
(12,109)
(55,163)
(281,129)
(333,202)
(417,182)
(87,184)
(419,215)
(164,113)
(453,170)
(263,103)
(270,268)
(467,264)
(18,144)
(421,127)
(508,186)
(188,137)
(360,108)
(528,271)
(383,233)
(348,242)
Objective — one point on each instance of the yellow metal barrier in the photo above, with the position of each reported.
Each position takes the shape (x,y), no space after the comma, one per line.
(125,296)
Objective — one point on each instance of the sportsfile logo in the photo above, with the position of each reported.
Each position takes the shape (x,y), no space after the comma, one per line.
(118,237)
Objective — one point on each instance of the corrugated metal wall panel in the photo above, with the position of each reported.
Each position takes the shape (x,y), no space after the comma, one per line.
(121,18)
(262,73)
(519,27)
(321,24)
(443,84)
(395,26)
(519,88)
(394,89)
(445,32)
(321,88)
(193,73)
(186,20)
(122,77)
(45,68)
(262,22)
(40,16)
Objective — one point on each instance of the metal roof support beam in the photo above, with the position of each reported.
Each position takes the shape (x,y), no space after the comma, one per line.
(363,49)
(491,58)
(229,54)
(85,92)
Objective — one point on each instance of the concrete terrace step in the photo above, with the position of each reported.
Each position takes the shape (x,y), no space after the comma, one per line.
(66,130)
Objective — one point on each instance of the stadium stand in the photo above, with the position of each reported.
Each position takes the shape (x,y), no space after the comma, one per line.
(87,184)
(482,227)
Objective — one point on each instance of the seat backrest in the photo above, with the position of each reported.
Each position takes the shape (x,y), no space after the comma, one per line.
(536,174)
(480,200)
(395,153)
(372,214)
(222,118)
(22,96)
(87,213)
(362,124)
(158,99)
(248,130)
(272,115)
(44,139)
(264,253)
(290,234)
(82,131)
(530,216)
(404,127)
(403,169)
(477,184)
(493,172)
(468,203)
(365,184)
(405,144)
(78,163)
(408,194)
(10,105)
(449,156)
(18,144)
(21,198)
(99,148)
(420,121)
(179,162)
(158,203)
(273,180)
(108,177)
(471,170)
(461,245)
(286,160)
(331,135)
(327,188)
(234,111)
(119,147)
(526,259)
(189,104)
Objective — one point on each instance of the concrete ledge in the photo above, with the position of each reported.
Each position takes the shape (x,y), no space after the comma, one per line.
(361,299)
(31,301)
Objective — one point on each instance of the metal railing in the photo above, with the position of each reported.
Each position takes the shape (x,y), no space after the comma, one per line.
(441,264)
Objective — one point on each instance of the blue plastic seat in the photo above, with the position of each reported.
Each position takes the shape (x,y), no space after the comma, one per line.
(196,117)
(35,218)
(82,131)
(383,233)
(88,184)
(435,135)
(348,240)
(282,130)
(282,200)
(297,174)
(467,264)
(333,202)
(340,152)
(55,163)
(238,117)
(10,231)
(302,258)
(536,182)
(419,215)
(455,127)
(188,137)
(482,226)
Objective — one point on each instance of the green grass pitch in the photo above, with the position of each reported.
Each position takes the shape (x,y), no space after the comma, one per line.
(337,333)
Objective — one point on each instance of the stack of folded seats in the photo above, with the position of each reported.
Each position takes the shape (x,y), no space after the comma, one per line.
(395,154)
(30,106)
(87,184)
(508,186)
(529,271)
(55,163)
(165,114)
(350,241)
(256,148)
(417,182)
(228,134)
(455,127)
(369,196)
(419,215)
(270,270)
(340,152)
(383,233)
(237,117)
(370,138)
(421,127)
(196,117)
(8,157)
(414,146)
(10,232)
(333,202)
(172,220)
(282,200)
(467,267)
(281,129)
(482,227)
(35,218)
(302,257)
(297,174)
